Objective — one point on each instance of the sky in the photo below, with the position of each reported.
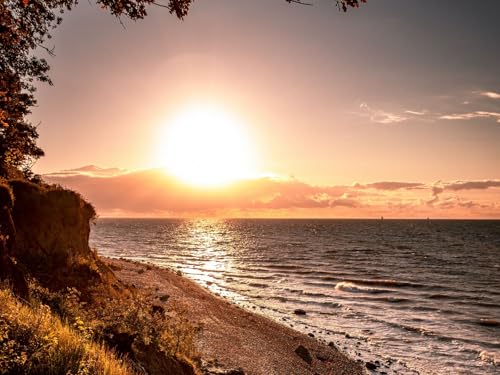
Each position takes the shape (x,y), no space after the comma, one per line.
(333,107)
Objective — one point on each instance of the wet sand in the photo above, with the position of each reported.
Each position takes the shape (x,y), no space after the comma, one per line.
(233,338)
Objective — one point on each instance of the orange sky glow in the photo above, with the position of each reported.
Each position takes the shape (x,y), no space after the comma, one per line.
(153,193)
(292,112)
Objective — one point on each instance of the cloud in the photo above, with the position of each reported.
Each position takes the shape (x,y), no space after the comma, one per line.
(472,115)
(345,202)
(155,191)
(385,117)
(472,185)
(380,116)
(479,109)
(114,191)
(456,186)
(416,113)
(392,185)
(437,190)
(490,94)
(457,202)
(89,170)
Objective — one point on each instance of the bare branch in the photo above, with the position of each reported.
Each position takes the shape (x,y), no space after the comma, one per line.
(299,2)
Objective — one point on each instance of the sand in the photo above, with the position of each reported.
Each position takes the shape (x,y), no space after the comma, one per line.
(233,338)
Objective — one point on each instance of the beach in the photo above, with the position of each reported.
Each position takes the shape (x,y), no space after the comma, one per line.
(374,289)
(233,340)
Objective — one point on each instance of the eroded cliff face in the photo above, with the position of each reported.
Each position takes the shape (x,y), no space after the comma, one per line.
(52,225)
(46,229)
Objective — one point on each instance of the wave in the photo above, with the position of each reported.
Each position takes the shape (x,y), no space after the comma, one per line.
(306,303)
(251,276)
(258,285)
(387,282)
(489,322)
(317,295)
(285,267)
(392,299)
(316,284)
(481,304)
(440,296)
(347,286)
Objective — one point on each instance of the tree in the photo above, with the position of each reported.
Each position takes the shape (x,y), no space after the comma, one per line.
(18,147)
(25,25)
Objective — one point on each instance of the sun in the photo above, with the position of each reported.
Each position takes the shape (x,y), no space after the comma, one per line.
(207,147)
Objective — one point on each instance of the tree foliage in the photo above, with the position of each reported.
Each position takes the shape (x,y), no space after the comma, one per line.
(25,26)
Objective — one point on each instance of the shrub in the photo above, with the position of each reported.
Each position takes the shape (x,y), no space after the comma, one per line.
(152,337)
(145,324)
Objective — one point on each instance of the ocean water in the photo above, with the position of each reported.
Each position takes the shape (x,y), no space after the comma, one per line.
(416,296)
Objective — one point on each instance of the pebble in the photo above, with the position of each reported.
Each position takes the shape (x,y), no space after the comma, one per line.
(321,357)
(331,344)
(371,366)
(303,353)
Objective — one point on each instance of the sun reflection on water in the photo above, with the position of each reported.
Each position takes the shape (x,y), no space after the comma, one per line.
(210,249)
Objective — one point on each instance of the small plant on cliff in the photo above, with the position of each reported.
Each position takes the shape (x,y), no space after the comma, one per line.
(142,323)
(179,333)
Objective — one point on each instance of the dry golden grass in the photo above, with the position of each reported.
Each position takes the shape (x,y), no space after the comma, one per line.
(35,341)
(57,333)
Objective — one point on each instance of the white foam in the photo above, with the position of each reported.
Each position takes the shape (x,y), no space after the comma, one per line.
(347,286)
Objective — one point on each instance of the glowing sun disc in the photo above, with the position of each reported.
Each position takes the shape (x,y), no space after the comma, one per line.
(207,147)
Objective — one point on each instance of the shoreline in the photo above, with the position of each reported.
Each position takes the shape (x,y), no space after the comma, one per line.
(234,340)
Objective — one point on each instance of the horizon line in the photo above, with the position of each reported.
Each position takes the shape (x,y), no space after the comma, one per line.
(296,218)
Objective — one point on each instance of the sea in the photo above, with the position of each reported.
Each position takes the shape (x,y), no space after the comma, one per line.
(411,296)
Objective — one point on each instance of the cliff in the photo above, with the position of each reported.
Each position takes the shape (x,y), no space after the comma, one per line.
(46,229)
(46,259)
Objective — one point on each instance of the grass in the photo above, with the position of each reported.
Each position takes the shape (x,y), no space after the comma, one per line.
(57,333)
(33,340)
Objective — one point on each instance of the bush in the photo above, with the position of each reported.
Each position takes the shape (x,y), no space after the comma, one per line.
(153,338)
(145,325)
